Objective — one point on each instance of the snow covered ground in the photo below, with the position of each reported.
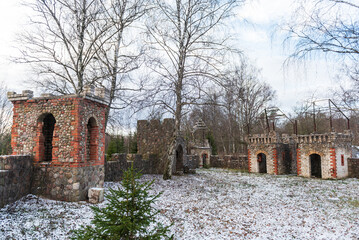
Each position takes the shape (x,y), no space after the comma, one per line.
(214,204)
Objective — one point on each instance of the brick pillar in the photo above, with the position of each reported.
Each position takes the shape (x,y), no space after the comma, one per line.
(249,161)
(299,163)
(333,163)
(275,161)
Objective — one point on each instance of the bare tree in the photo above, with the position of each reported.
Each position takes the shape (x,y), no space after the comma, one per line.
(62,42)
(5,120)
(232,111)
(327,27)
(189,52)
(73,43)
(120,56)
(245,96)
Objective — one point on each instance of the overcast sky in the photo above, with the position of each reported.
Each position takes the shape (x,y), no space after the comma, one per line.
(292,84)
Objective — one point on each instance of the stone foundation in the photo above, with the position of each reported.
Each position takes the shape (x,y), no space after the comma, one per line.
(66,183)
(15,178)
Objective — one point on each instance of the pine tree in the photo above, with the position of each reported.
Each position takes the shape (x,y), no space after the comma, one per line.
(128,215)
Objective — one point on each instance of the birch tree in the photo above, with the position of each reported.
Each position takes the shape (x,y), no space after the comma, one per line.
(189,50)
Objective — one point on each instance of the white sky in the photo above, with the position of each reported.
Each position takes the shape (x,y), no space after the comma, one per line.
(292,84)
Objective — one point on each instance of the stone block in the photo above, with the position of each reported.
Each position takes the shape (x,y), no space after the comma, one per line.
(96,195)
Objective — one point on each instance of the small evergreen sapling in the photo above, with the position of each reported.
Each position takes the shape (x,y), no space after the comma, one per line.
(128,215)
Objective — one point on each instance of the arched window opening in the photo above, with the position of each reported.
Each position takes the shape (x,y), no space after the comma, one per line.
(262,163)
(315,165)
(92,140)
(179,159)
(46,126)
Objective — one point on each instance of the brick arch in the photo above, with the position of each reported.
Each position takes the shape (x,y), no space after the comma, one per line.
(92,139)
(179,153)
(262,161)
(45,129)
(321,154)
(260,151)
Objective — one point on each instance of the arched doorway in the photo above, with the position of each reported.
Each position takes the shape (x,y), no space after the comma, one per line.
(204,159)
(92,140)
(46,126)
(315,166)
(262,163)
(179,159)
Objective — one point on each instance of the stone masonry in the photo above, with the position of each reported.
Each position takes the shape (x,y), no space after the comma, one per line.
(315,155)
(66,137)
(15,178)
(332,150)
(199,145)
(154,137)
(271,153)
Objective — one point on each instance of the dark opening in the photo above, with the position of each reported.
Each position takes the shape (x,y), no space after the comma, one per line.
(315,166)
(179,159)
(47,132)
(262,163)
(204,158)
(91,140)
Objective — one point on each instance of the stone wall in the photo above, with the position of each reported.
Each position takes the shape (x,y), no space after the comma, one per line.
(193,162)
(66,183)
(229,161)
(15,178)
(153,136)
(121,162)
(353,167)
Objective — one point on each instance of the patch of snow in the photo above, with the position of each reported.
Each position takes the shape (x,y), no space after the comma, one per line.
(213,204)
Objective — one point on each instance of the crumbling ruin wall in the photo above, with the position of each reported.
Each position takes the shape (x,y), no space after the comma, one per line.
(70,159)
(15,178)
(228,161)
(192,161)
(333,148)
(153,136)
(121,162)
(353,167)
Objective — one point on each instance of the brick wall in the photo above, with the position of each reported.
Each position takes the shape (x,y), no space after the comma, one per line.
(353,167)
(15,178)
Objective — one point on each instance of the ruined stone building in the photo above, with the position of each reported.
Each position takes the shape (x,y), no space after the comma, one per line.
(154,137)
(271,153)
(324,155)
(65,136)
(199,146)
(314,155)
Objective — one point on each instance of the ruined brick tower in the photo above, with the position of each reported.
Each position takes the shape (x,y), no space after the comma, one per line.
(66,137)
